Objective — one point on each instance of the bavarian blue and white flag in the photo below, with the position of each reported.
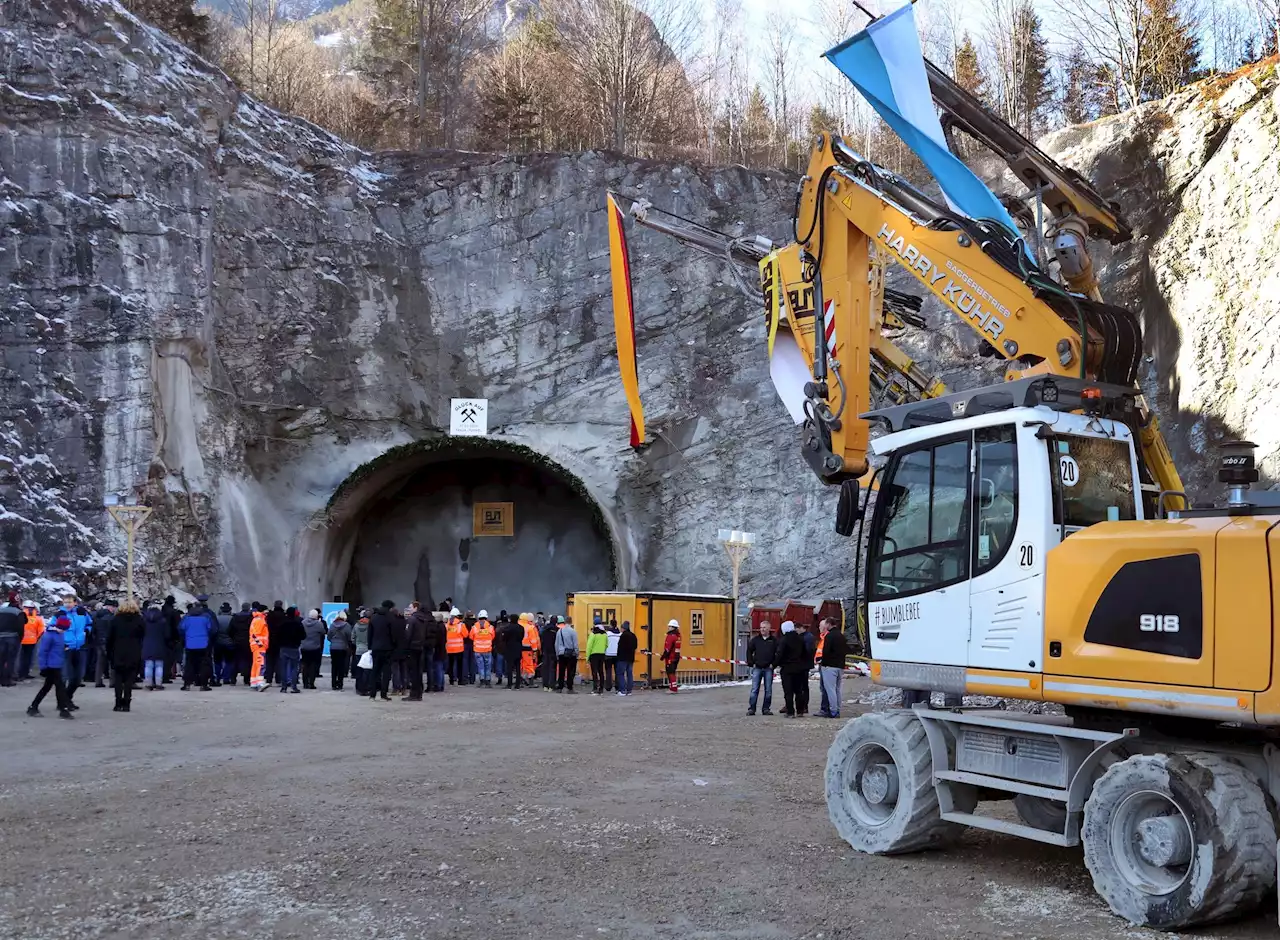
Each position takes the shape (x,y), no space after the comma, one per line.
(885,63)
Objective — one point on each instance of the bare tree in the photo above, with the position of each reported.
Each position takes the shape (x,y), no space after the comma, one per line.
(1267,17)
(780,57)
(1229,26)
(625,58)
(1130,39)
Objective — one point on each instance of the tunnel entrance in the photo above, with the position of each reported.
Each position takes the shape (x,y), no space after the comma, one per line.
(493,526)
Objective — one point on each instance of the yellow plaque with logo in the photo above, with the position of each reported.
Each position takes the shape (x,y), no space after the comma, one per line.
(494,519)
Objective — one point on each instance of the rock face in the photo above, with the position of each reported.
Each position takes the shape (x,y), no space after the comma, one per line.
(236,312)
(1196,173)
(259,328)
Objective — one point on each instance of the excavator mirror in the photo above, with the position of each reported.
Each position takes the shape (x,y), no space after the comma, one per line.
(849,509)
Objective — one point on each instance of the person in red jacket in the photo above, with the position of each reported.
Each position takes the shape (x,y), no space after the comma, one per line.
(671,653)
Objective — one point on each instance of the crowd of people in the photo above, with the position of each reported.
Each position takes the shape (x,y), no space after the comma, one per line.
(415,650)
(793,655)
(385,651)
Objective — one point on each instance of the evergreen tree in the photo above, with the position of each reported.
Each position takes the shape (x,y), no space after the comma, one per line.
(1080,97)
(1033,87)
(1172,50)
(968,70)
(822,121)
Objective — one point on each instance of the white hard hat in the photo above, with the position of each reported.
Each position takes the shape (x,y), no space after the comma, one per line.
(455,613)
(484,615)
(788,626)
(673,622)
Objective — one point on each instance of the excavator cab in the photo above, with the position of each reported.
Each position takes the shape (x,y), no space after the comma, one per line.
(977,488)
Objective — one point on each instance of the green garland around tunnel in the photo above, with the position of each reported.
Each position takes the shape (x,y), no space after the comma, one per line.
(470,448)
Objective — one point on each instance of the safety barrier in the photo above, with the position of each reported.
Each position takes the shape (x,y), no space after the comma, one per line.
(856,669)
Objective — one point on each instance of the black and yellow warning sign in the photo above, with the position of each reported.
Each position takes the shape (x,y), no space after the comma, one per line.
(494,519)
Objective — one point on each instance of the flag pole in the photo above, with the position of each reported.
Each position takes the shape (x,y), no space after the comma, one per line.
(874,16)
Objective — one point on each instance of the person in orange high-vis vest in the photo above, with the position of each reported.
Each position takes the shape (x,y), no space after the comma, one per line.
(455,645)
(482,634)
(529,648)
(31,634)
(258,648)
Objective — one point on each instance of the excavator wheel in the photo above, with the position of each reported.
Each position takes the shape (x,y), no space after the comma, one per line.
(880,794)
(1175,840)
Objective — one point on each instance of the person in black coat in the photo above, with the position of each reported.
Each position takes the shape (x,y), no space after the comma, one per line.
(223,647)
(762,657)
(101,665)
(511,640)
(547,639)
(157,641)
(271,662)
(382,644)
(123,649)
(241,654)
(172,656)
(287,638)
(399,670)
(433,653)
(834,649)
(415,649)
(793,662)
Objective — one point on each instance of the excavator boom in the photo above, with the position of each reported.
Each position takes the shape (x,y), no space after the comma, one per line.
(856,218)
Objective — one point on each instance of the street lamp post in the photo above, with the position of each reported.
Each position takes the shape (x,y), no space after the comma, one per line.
(736,545)
(130,517)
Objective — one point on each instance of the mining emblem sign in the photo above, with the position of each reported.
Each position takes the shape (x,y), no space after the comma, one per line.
(494,519)
(469,417)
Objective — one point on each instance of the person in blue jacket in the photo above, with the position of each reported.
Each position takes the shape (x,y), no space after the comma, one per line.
(51,658)
(76,637)
(197,629)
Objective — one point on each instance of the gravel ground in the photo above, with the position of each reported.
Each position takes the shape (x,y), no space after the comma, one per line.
(231,814)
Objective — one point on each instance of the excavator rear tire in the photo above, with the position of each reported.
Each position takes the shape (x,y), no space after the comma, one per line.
(879,783)
(1176,840)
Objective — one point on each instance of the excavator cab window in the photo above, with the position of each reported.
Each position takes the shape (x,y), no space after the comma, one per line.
(996,509)
(920,540)
(1092,480)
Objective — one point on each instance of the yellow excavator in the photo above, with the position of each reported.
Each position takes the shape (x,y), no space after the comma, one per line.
(1028,540)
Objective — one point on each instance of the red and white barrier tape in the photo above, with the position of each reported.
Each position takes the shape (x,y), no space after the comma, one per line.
(857,669)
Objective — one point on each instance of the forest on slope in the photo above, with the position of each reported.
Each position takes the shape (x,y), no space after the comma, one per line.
(681,79)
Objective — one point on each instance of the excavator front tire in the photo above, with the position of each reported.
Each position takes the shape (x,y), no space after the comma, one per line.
(1175,840)
(879,782)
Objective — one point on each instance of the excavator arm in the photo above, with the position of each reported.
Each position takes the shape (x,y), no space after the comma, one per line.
(853,220)
(851,216)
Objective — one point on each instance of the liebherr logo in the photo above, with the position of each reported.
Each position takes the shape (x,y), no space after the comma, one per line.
(1158,623)
(961,292)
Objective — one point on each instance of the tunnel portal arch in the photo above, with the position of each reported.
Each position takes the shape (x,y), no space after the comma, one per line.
(398,525)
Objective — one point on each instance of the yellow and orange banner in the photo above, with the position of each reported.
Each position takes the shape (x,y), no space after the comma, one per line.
(624,320)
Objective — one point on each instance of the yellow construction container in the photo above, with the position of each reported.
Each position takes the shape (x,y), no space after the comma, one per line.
(706,629)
